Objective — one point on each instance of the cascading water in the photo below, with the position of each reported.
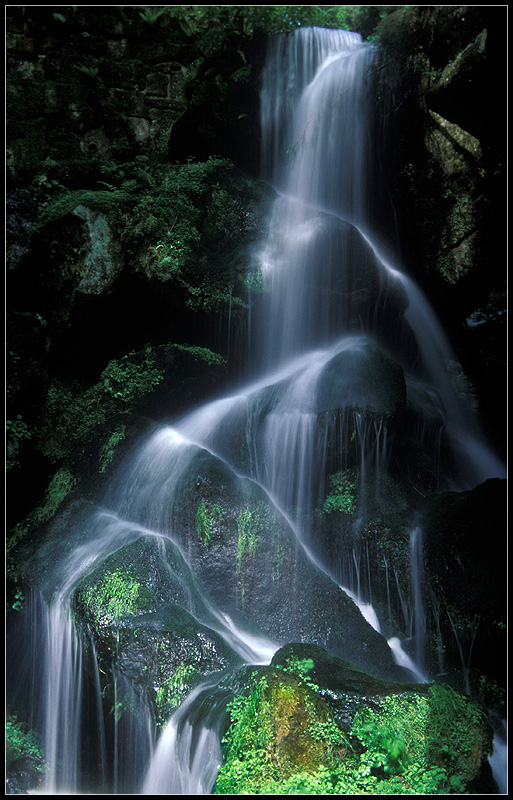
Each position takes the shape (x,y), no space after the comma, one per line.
(340,338)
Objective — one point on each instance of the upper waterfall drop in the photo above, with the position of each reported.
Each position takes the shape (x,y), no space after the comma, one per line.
(326,273)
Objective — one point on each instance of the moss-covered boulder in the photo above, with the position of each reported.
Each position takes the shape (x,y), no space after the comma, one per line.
(286,735)
(279,730)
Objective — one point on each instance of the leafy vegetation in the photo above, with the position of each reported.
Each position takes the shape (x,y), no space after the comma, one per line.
(342,497)
(173,690)
(116,595)
(23,742)
(209,23)
(401,744)
(206,519)
(193,228)
(251,522)
(71,411)
(108,448)
(60,485)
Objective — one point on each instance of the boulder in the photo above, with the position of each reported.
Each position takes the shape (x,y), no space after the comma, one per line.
(313,724)
(362,377)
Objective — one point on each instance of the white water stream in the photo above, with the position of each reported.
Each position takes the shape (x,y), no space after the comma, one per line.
(331,298)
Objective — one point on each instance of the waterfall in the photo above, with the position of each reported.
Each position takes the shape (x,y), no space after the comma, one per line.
(340,342)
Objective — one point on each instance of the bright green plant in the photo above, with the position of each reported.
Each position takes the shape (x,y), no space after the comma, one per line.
(300,667)
(342,497)
(206,519)
(404,744)
(246,742)
(118,594)
(23,742)
(173,690)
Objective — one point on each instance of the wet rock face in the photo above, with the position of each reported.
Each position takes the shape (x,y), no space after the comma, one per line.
(466,573)
(364,379)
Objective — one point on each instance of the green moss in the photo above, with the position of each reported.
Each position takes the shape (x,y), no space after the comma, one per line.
(203,353)
(342,497)
(116,595)
(108,449)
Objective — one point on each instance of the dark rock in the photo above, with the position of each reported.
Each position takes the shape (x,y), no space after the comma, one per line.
(465,569)
(362,377)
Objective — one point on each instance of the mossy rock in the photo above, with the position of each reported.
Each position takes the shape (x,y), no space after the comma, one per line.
(273,735)
(286,734)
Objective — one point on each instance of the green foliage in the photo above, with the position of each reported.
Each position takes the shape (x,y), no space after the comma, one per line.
(383,735)
(61,484)
(173,690)
(17,433)
(251,522)
(206,519)
(151,15)
(271,19)
(253,281)
(203,353)
(458,731)
(260,724)
(300,667)
(108,448)
(118,594)
(246,743)
(193,228)
(401,744)
(71,411)
(101,200)
(343,494)
(127,380)
(23,742)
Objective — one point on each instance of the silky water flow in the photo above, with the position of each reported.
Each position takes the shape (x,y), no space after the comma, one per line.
(334,308)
